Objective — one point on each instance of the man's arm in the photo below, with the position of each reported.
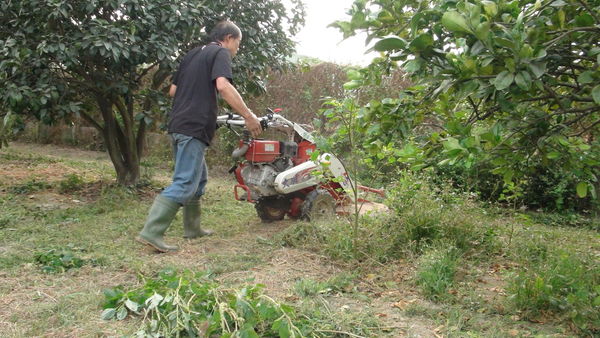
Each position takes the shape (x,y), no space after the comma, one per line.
(231,95)
(172,90)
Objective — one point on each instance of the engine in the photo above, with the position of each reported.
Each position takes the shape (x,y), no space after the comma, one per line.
(264,161)
(260,179)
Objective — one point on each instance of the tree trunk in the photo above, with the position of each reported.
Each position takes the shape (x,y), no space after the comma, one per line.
(121,146)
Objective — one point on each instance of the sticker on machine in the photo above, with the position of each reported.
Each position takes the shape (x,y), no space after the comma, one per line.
(270,147)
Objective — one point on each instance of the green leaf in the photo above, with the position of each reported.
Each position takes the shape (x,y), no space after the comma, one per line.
(354,74)
(503,80)
(131,305)
(412,66)
(523,80)
(586,77)
(247,332)
(582,189)
(483,30)
(538,69)
(490,7)
(455,22)
(596,94)
(108,314)
(451,143)
(389,44)
(122,313)
(584,20)
(508,176)
(352,84)
(553,154)
(421,42)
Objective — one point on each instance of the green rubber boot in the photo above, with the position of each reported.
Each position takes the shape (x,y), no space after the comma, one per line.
(191,221)
(160,216)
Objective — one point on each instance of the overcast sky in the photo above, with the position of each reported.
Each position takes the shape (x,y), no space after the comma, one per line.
(317,40)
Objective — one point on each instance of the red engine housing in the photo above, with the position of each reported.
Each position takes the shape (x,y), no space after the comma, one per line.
(305,150)
(262,151)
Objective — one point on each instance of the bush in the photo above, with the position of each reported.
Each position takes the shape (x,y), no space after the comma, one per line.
(542,187)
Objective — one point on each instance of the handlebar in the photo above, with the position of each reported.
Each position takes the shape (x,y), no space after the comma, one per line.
(234,120)
(272,119)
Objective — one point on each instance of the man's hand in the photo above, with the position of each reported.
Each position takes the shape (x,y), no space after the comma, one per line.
(253,125)
(231,95)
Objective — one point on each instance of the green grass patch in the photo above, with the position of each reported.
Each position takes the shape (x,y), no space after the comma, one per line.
(29,187)
(564,285)
(409,229)
(70,183)
(436,271)
(307,287)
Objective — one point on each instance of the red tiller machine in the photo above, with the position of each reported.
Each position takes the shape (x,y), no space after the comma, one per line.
(281,179)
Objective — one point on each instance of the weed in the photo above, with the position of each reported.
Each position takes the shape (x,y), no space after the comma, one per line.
(410,229)
(318,318)
(565,285)
(192,304)
(309,288)
(566,219)
(58,260)
(306,287)
(436,270)
(29,187)
(4,222)
(70,183)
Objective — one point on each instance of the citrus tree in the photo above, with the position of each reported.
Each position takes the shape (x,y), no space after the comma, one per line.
(508,87)
(110,61)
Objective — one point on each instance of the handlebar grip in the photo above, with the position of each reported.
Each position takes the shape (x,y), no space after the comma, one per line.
(264,124)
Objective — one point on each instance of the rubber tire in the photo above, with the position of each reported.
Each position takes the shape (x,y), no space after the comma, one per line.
(318,204)
(272,208)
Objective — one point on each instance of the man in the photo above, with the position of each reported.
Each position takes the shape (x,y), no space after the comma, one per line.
(192,123)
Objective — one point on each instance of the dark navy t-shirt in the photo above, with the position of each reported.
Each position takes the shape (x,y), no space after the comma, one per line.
(195,104)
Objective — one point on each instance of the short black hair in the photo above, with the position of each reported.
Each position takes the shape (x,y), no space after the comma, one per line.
(224,28)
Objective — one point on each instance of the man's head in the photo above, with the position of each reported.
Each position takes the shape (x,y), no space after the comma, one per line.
(228,34)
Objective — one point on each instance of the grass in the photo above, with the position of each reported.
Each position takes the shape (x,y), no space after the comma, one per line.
(439,264)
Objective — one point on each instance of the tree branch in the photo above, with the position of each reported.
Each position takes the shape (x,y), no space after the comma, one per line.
(91,121)
(586,129)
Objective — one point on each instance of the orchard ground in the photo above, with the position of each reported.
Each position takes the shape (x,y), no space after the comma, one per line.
(58,198)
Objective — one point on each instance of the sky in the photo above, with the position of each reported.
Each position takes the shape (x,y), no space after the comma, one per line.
(319,41)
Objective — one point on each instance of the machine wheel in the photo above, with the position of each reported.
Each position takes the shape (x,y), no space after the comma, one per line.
(318,204)
(271,208)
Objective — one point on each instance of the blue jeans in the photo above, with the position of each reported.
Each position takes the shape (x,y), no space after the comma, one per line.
(191,173)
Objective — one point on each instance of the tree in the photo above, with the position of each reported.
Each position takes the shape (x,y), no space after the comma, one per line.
(66,58)
(503,86)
